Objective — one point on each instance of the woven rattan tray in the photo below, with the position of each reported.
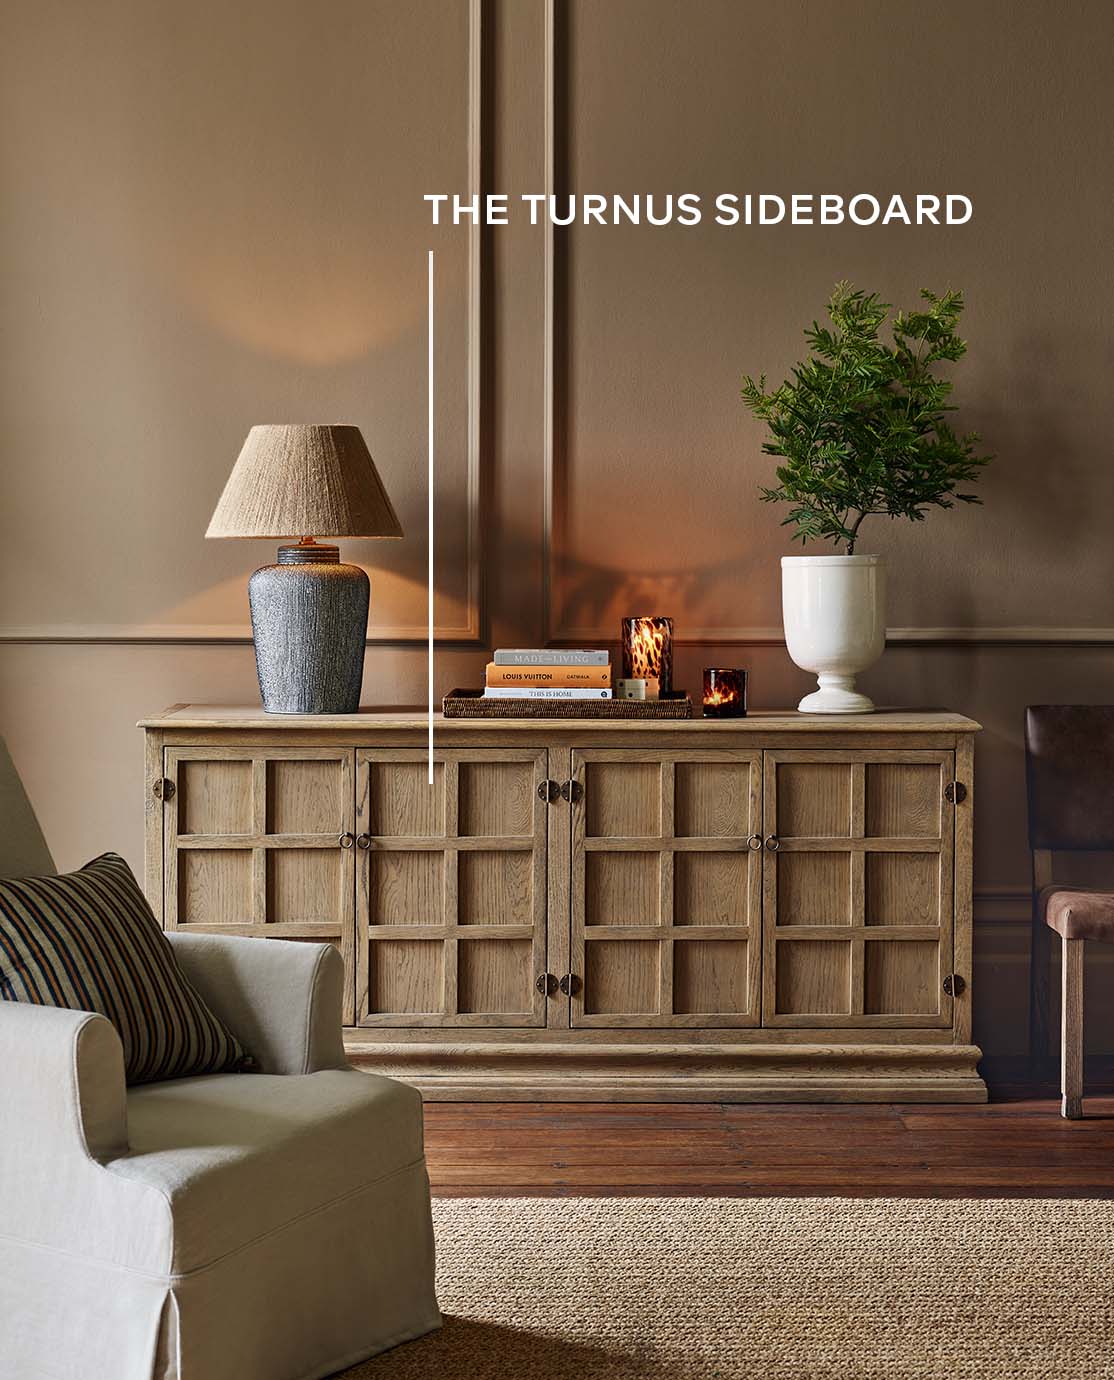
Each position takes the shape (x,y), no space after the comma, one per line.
(470,704)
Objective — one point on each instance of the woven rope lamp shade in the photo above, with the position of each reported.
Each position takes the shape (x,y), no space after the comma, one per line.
(304,481)
(308,612)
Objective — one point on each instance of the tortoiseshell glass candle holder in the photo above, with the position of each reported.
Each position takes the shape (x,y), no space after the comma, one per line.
(725,693)
(648,651)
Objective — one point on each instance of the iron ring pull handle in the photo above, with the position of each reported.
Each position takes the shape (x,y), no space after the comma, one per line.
(363,840)
(754,843)
(772,842)
(346,840)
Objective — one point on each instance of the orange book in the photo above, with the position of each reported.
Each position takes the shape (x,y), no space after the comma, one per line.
(542,677)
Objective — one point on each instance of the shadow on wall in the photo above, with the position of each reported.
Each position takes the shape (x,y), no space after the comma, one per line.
(593,595)
(1043,495)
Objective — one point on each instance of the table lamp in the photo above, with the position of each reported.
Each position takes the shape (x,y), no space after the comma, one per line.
(308,612)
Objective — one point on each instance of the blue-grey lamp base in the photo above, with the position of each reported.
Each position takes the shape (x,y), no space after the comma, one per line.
(309,622)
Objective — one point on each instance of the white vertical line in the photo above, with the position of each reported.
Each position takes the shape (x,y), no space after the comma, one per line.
(429,524)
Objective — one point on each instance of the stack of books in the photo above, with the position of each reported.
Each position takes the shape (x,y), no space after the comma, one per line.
(548,674)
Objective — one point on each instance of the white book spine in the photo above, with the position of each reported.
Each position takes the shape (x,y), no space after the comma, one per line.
(519,692)
(549,656)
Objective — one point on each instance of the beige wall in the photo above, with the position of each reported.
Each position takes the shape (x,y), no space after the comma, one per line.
(1006,102)
(212,216)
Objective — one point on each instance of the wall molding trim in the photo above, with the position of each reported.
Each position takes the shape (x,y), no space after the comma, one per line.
(469,633)
(549,339)
(473,350)
(128,634)
(198,634)
(913,636)
(552,517)
(1003,905)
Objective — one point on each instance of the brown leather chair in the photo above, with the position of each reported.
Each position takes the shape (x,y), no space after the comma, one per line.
(1069,750)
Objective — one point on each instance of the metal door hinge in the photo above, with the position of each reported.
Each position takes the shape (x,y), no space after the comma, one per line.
(163,789)
(546,983)
(572,791)
(955,792)
(954,985)
(548,791)
(570,984)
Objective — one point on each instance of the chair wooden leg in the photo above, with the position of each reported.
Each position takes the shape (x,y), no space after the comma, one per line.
(1071,1023)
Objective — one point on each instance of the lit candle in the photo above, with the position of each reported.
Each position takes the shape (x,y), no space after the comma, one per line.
(725,693)
(648,651)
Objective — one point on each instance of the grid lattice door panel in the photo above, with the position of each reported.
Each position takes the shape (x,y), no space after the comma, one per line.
(450,888)
(666,889)
(259,842)
(858,888)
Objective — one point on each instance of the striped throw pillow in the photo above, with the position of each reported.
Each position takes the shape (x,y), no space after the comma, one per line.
(89,941)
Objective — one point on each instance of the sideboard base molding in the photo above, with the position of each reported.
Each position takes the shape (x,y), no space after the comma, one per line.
(566,1072)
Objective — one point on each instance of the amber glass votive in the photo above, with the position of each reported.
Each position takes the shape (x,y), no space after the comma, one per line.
(648,651)
(725,693)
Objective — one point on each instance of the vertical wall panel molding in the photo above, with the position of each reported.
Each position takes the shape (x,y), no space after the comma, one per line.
(475,363)
(549,341)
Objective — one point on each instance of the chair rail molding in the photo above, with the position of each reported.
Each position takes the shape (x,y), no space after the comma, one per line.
(914,636)
(142,634)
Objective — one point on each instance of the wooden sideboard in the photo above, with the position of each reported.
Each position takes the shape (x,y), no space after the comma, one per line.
(775,908)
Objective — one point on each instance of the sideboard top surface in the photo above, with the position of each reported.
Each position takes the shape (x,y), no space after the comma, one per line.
(245,716)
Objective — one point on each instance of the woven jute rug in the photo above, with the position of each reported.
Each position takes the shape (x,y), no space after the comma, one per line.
(767,1289)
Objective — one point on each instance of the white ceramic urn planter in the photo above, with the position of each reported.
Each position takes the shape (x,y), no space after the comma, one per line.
(834,611)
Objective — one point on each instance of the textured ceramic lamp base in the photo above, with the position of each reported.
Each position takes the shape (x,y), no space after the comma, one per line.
(309,621)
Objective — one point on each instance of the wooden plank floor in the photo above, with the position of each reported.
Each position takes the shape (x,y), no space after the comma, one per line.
(1019,1147)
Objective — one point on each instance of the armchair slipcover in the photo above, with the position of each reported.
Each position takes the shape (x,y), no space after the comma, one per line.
(264,1226)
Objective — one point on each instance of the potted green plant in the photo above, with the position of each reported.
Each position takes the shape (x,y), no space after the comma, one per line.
(861,430)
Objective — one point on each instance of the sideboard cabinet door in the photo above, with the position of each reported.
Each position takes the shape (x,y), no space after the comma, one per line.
(666,888)
(858,889)
(255,844)
(450,887)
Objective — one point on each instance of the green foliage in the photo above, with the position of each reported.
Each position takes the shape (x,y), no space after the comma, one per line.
(861,425)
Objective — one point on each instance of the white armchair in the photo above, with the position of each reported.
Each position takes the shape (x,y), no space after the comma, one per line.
(264,1226)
